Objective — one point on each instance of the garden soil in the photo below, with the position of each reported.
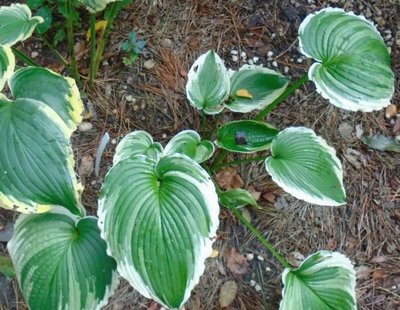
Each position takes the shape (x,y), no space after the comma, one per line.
(150,95)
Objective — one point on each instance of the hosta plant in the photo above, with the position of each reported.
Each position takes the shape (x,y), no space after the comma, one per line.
(158,207)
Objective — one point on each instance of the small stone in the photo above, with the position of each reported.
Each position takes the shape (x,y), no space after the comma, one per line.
(135,108)
(235,58)
(108,90)
(273,35)
(149,64)
(258,288)
(34,54)
(398,42)
(142,106)
(129,98)
(286,69)
(253,283)
(105,63)
(270,54)
(243,55)
(275,64)
(267,269)
(129,80)
(260,258)
(167,43)
(250,62)
(93,182)
(299,60)
(164,136)
(234,52)
(255,59)
(115,111)
(114,141)
(249,256)
(394,287)
(85,126)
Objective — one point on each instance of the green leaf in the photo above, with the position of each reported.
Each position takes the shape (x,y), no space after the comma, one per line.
(58,92)
(237,197)
(159,220)
(306,167)
(188,142)
(382,143)
(120,5)
(208,83)
(246,136)
(137,143)
(94,6)
(6,267)
(36,166)
(353,63)
(324,281)
(59,36)
(45,13)
(61,262)
(35,4)
(7,65)
(263,86)
(16,23)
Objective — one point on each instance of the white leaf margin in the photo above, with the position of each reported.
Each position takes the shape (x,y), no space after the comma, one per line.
(210,195)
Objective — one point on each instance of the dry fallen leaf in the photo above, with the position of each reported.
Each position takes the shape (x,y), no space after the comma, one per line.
(86,166)
(295,258)
(228,179)
(80,49)
(214,254)
(227,293)
(379,274)
(363,272)
(246,214)
(391,111)
(256,194)
(236,262)
(153,306)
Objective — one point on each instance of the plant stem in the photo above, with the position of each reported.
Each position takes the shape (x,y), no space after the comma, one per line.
(92,49)
(24,57)
(220,157)
(54,50)
(70,36)
(239,161)
(263,113)
(261,238)
(103,39)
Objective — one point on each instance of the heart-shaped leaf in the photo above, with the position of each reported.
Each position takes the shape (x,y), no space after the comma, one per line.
(159,220)
(189,142)
(353,63)
(306,167)
(61,262)
(255,87)
(137,143)
(94,6)
(246,136)
(16,23)
(325,280)
(58,92)
(36,166)
(237,197)
(208,83)
(7,65)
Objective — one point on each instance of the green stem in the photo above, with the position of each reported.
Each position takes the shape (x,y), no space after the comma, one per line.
(261,238)
(92,49)
(103,40)
(24,57)
(54,50)
(70,36)
(239,161)
(218,160)
(282,97)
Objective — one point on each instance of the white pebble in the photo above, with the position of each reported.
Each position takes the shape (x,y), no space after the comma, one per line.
(234,52)
(270,54)
(286,69)
(34,54)
(164,135)
(235,58)
(299,60)
(258,288)
(114,141)
(243,55)
(275,64)
(253,283)
(250,62)
(273,35)
(394,287)
(249,256)
(267,269)
(259,257)
(115,111)
(85,126)
(149,64)
(255,59)
(129,98)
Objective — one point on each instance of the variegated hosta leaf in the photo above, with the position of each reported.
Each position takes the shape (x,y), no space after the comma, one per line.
(246,136)
(236,198)
(61,262)
(57,91)
(7,65)
(325,280)
(16,23)
(353,63)
(137,143)
(189,142)
(159,220)
(208,83)
(36,162)
(255,87)
(94,6)
(306,167)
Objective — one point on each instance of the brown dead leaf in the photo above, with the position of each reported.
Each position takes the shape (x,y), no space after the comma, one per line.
(80,49)
(295,258)
(227,293)
(391,111)
(228,179)
(86,166)
(236,262)
(256,194)
(153,306)
(363,272)
(379,274)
